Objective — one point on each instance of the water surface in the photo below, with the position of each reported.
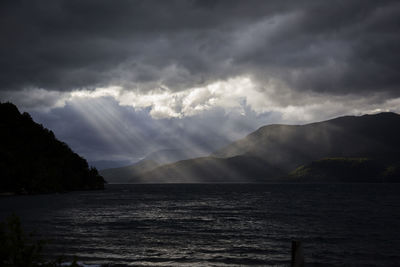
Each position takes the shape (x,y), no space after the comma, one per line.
(218,224)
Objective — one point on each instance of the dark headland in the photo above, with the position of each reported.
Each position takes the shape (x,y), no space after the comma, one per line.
(32,160)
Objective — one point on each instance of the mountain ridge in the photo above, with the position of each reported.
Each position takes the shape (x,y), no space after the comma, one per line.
(155,159)
(272,151)
(320,137)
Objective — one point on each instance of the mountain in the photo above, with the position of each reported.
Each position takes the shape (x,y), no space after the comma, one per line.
(275,150)
(211,170)
(124,175)
(32,160)
(107,164)
(288,146)
(166,156)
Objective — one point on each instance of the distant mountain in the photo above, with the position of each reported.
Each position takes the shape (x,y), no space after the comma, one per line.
(211,170)
(107,164)
(275,150)
(166,156)
(124,175)
(32,160)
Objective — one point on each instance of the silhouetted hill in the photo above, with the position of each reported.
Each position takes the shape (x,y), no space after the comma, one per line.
(32,160)
(275,150)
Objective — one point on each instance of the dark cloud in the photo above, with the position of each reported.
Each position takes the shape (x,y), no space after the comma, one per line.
(64,45)
(330,47)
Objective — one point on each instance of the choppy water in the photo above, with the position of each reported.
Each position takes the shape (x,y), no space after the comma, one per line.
(219,224)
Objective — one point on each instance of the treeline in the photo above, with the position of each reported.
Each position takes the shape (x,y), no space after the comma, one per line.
(32,160)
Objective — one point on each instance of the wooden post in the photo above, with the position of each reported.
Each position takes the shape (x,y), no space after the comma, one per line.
(297,254)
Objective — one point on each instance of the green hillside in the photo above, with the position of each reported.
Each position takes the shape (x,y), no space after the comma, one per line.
(347,170)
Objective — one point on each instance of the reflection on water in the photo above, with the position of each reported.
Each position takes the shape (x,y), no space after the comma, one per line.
(218,225)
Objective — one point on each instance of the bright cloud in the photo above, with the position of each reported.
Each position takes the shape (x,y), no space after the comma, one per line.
(165,103)
(239,94)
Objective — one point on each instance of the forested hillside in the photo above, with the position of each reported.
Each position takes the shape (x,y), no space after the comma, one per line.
(32,160)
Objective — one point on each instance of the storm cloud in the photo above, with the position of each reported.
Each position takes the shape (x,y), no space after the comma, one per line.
(335,47)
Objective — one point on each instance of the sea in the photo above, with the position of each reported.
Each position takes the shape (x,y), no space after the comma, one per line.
(217,224)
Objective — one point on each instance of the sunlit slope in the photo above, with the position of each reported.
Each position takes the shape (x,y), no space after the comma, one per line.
(166,156)
(212,170)
(288,146)
(125,174)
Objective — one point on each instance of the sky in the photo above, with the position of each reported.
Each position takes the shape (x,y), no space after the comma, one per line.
(117,80)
